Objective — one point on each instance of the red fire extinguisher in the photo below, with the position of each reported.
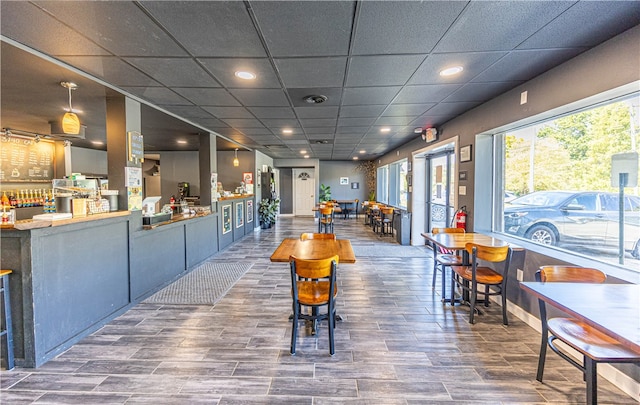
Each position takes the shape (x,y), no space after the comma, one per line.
(460,218)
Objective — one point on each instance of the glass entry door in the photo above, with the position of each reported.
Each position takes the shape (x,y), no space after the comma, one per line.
(440,189)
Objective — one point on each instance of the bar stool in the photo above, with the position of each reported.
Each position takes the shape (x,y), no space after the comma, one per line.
(6,330)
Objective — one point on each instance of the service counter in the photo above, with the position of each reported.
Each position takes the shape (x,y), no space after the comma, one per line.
(73,276)
(237,218)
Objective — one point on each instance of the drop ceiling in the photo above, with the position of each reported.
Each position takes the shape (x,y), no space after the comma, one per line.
(377,63)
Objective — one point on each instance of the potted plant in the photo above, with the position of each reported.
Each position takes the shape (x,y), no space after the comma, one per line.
(267,212)
(325,193)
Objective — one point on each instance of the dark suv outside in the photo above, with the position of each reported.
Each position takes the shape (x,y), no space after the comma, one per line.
(582,218)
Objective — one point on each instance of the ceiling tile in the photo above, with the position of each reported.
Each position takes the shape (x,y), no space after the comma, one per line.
(480,91)
(498,25)
(451,109)
(111,69)
(323,131)
(312,72)
(305,28)
(243,123)
(394,121)
(224,71)
(15,13)
(187,111)
(428,93)
(423,24)
(384,70)
(356,122)
(574,27)
(261,97)
(317,112)
(207,96)
(356,111)
(229,112)
(158,95)
(215,20)
(405,110)
(525,64)
(369,95)
(319,122)
(181,72)
(333,95)
(128,33)
(289,123)
(473,64)
(273,112)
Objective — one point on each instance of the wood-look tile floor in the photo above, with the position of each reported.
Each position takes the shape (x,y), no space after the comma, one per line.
(397,344)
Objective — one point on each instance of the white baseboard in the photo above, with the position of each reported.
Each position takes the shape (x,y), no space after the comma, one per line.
(625,383)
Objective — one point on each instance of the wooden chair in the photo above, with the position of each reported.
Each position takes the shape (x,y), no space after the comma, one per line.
(443,258)
(313,284)
(326,220)
(311,235)
(384,222)
(595,346)
(468,277)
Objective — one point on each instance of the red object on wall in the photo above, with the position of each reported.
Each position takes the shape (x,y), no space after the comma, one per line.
(460,218)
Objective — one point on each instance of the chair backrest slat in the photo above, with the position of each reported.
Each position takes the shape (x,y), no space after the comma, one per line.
(315,235)
(570,274)
(313,268)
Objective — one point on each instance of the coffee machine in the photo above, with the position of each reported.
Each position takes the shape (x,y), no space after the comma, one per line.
(183,190)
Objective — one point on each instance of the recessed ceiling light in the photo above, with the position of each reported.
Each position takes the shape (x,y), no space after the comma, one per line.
(182,142)
(245,75)
(363,151)
(385,129)
(97,142)
(287,131)
(451,71)
(306,156)
(303,151)
(355,158)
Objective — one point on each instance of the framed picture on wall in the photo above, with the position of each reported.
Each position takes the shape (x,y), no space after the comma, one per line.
(344,181)
(249,211)
(226,219)
(465,153)
(239,214)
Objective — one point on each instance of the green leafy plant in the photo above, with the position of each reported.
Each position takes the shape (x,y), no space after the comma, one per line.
(325,193)
(268,211)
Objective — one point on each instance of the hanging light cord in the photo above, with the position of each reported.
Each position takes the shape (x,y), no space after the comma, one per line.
(70,107)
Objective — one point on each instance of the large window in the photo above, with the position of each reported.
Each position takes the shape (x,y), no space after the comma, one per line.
(393,186)
(557,187)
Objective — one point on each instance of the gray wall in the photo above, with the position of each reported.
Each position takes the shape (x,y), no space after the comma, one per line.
(178,167)
(88,161)
(332,171)
(231,176)
(286,192)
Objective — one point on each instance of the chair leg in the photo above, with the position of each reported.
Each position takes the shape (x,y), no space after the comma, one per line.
(443,269)
(453,288)
(503,292)
(435,271)
(294,328)
(472,303)
(332,324)
(591,375)
(543,353)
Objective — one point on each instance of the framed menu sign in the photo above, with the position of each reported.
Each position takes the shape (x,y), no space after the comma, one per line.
(24,161)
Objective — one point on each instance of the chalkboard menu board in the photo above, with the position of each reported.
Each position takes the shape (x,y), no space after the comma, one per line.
(24,161)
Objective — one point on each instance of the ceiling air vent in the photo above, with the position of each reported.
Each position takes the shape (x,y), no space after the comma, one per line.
(275,147)
(315,99)
(321,142)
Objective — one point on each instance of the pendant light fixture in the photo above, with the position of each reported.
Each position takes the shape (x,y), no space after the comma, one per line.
(70,121)
(236,162)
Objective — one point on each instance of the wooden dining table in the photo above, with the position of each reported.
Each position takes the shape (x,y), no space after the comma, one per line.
(609,308)
(314,249)
(458,242)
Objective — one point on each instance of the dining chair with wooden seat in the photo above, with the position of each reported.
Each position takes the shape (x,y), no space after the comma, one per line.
(594,346)
(313,284)
(315,235)
(443,258)
(470,277)
(325,223)
(384,222)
